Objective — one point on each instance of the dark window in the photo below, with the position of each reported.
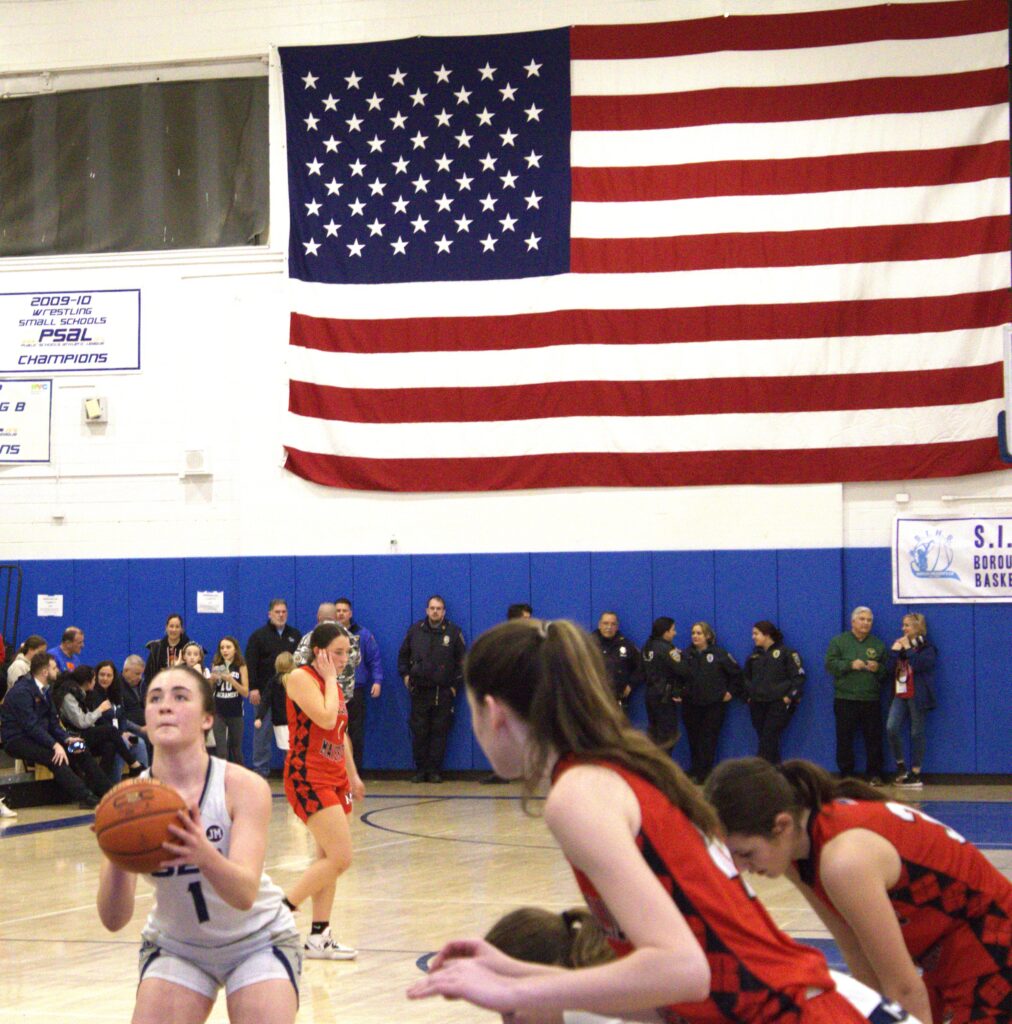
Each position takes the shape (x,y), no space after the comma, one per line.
(166,165)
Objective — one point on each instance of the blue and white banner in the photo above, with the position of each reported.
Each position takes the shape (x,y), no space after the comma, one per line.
(26,408)
(70,331)
(968,559)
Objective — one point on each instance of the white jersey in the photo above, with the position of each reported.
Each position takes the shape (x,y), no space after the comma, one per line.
(188,912)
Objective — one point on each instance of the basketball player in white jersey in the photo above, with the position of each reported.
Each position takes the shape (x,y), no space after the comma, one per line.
(218,920)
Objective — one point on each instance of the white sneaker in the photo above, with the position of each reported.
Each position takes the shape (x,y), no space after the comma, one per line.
(5,811)
(323,947)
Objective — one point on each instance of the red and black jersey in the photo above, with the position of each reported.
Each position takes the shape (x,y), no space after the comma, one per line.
(313,753)
(953,905)
(757,973)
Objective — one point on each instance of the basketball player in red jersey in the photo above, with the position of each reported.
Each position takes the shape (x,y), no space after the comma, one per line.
(321,780)
(896,888)
(693,942)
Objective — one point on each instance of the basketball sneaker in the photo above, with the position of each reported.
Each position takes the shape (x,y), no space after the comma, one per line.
(5,811)
(323,947)
(912,780)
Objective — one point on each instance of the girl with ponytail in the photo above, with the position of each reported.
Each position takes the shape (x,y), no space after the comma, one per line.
(897,889)
(691,942)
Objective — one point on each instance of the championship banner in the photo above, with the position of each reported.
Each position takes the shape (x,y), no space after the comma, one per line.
(963,560)
(71,331)
(25,415)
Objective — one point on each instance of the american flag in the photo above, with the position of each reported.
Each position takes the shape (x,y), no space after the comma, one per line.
(762,248)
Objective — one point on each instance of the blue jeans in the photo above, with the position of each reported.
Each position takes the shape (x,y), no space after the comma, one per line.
(899,711)
(262,746)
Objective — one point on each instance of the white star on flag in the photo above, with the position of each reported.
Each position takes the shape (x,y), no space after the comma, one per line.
(310,81)
(443,74)
(332,228)
(532,69)
(353,80)
(355,248)
(507,222)
(488,243)
(330,103)
(311,123)
(487,72)
(508,93)
(443,244)
(312,247)
(334,187)
(376,227)
(397,78)
(400,247)
(532,242)
(313,209)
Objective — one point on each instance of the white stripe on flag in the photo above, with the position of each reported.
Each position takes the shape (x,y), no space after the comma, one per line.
(685,361)
(798,212)
(875,133)
(963,275)
(736,69)
(729,432)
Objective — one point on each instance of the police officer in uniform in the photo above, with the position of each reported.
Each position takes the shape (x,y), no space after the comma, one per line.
(431,662)
(621,656)
(665,675)
(774,679)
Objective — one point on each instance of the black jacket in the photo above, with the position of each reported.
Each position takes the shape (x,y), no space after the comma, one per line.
(664,668)
(158,656)
(712,673)
(273,698)
(263,646)
(28,714)
(432,656)
(774,674)
(621,661)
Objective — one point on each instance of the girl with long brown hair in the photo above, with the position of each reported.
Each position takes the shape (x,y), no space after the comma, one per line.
(897,889)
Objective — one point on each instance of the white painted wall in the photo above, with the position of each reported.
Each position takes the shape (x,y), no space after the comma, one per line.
(214,335)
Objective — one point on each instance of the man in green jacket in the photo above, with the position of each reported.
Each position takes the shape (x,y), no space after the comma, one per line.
(856,660)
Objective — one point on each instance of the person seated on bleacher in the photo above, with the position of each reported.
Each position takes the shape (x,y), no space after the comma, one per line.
(71,696)
(20,666)
(109,686)
(30,729)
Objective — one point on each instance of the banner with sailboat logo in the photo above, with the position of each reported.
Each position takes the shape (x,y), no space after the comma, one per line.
(965,559)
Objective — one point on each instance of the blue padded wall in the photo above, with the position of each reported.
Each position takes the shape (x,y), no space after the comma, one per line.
(122,603)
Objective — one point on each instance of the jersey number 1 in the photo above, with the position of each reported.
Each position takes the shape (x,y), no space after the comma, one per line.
(199,903)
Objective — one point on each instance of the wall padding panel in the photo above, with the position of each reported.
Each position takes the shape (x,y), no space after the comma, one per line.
(123,603)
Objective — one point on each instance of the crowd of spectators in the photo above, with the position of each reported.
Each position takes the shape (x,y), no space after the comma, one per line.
(87,724)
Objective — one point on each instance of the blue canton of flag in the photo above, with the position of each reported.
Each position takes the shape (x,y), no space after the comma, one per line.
(429,159)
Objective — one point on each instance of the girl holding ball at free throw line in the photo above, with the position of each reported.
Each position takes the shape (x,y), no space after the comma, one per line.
(218,920)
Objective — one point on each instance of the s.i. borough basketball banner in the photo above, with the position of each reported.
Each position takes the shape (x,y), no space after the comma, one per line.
(954,560)
(770,247)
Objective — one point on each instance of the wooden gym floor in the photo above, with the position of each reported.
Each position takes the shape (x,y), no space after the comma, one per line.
(431,863)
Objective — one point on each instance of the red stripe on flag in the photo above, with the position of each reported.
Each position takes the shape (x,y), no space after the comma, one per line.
(877,244)
(649,326)
(791,102)
(788,31)
(672,469)
(964,384)
(788,177)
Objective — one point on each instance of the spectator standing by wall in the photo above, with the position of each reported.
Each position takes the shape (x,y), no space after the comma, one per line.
(856,661)
(774,681)
(368,674)
(431,661)
(621,656)
(665,675)
(165,653)
(275,637)
(910,664)
(714,676)
(68,652)
(231,684)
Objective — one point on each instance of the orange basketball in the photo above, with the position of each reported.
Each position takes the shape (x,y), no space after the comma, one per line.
(132,822)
